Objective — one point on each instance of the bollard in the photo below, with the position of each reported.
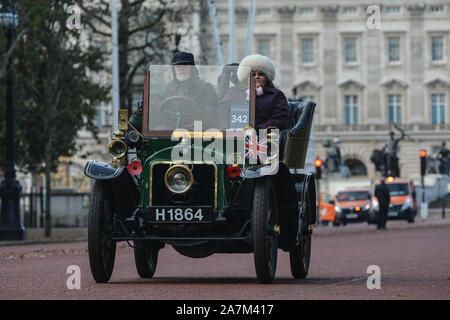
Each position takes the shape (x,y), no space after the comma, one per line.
(424,210)
(443,211)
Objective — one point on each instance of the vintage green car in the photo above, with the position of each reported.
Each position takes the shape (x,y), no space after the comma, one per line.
(202,180)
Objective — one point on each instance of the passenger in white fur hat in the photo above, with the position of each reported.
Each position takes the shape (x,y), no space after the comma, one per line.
(271,105)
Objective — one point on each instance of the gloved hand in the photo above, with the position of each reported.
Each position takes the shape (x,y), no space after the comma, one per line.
(223,81)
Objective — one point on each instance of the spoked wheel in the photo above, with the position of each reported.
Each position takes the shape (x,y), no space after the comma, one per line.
(102,249)
(264,222)
(301,254)
(146,258)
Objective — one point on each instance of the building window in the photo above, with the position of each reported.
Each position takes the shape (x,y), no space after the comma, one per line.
(305,11)
(394,49)
(395,108)
(438,108)
(225,49)
(307,98)
(307,50)
(104,116)
(262,12)
(264,47)
(222,14)
(391,9)
(349,10)
(350,49)
(351,109)
(437,8)
(437,48)
(356,167)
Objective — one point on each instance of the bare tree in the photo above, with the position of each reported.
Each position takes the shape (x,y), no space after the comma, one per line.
(148,32)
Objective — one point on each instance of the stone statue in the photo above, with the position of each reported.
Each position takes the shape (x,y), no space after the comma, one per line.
(444,159)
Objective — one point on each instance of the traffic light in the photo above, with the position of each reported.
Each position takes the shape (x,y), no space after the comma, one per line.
(318,164)
(423,161)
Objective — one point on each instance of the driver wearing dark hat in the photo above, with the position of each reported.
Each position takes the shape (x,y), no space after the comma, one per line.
(183,57)
(187,83)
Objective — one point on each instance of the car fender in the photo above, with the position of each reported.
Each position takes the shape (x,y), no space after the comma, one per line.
(293,194)
(101,171)
(259,171)
(119,183)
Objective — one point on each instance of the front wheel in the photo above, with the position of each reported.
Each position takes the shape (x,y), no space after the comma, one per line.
(146,259)
(102,249)
(264,224)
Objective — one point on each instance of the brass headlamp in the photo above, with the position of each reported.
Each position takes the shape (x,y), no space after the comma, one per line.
(117,146)
(179,179)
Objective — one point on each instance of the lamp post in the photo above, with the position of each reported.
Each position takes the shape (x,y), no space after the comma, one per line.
(10,189)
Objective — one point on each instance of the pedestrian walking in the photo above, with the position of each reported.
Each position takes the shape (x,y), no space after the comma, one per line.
(384,198)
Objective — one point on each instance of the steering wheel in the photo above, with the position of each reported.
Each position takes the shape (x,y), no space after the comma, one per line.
(179,109)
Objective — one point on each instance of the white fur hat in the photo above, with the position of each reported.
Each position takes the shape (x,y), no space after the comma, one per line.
(256,62)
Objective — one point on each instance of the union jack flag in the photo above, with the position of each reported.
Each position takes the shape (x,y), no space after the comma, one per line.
(255,149)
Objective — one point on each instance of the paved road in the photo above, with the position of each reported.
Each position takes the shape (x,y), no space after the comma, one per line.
(413,259)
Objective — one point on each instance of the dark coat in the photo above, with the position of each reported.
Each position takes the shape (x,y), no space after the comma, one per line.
(272,109)
(203,95)
(383,195)
(202,92)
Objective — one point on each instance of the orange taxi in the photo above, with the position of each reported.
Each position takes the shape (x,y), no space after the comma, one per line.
(353,205)
(403,204)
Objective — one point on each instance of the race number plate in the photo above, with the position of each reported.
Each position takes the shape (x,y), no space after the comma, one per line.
(239,116)
(180,214)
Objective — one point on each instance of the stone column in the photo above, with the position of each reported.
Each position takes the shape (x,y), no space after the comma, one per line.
(373,104)
(416,96)
(241,32)
(285,73)
(330,61)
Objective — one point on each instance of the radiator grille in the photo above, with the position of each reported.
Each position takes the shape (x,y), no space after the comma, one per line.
(203,191)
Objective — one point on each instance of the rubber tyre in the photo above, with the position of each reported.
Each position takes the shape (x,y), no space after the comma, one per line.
(146,259)
(264,217)
(102,249)
(300,256)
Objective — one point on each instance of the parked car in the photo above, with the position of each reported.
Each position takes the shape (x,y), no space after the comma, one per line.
(403,204)
(353,205)
(157,195)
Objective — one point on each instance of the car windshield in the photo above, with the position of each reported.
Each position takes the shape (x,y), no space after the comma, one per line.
(326,197)
(196,98)
(352,196)
(398,189)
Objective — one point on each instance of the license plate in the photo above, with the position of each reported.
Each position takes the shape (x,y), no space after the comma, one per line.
(180,214)
(392,214)
(351,216)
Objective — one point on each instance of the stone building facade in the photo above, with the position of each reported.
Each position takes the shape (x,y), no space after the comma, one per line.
(365,74)
(367,64)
